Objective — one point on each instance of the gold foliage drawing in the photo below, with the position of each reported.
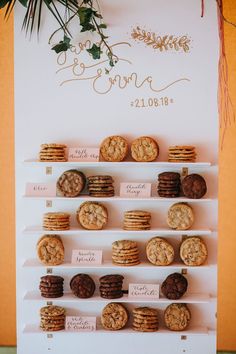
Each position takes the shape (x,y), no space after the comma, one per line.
(161,43)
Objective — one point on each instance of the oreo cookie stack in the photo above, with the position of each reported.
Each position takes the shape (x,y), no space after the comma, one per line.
(101,186)
(111,286)
(51,286)
(169,184)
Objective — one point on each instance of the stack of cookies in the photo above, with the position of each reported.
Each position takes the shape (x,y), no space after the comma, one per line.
(114,316)
(52,318)
(169,184)
(53,152)
(56,221)
(51,286)
(125,253)
(101,186)
(50,250)
(145,319)
(82,286)
(111,286)
(182,154)
(137,220)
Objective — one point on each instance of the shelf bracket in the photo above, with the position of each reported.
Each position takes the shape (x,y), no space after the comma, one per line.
(184,271)
(48,203)
(49,270)
(183,337)
(49,303)
(48,170)
(184,171)
(49,335)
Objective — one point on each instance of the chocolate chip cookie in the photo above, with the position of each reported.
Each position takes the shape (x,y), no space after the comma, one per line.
(159,252)
(70,183)
(50,250)
(114,148)
(193,251)
(177,317)
(180,216)
(114,316)
(92,215)
(144,149)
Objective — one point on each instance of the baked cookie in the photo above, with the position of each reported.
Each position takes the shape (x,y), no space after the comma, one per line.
(194,186)
(144,149)
(145,319)
(82,286)
(50,250)
(92,216)
(159,252)
(177,317)
(70,183)
(180,216)
(174,286)
(169,184)
(114,316)
(125,253)
(114,148)
(101,186)
(193,251)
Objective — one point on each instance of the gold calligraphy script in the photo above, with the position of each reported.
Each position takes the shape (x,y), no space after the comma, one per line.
(162,43)
(101,80)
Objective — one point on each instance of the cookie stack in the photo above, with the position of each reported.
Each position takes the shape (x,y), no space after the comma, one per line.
(82,286)
(111,286)
(145,319)
(52,318)
(53,152)
(70,183)
(51,286)
(169,184)
(92,215)
(160,252)
(177,317)
(184,153)
(137,220)
(114,316)
(50,250)
(174,286)
(125,253)
(180,216)
(56,221)
(101,186)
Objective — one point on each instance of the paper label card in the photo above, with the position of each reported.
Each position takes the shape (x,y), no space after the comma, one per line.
(144,291)
(85,154)
(40,190)
(86,257)
(135,190)
(80,324)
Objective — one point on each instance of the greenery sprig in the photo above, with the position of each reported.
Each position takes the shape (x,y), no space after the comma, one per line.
(88,15)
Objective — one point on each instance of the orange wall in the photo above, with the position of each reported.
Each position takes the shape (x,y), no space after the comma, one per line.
(227,225)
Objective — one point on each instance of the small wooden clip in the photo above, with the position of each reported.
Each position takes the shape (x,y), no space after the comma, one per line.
(48,170)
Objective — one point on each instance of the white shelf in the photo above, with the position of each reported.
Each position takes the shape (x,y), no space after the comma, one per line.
(194,331)
(160,164)
(85,198)
(34,263)
(69,297)
(37,229)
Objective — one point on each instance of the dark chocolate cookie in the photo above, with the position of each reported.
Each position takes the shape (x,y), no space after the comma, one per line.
(111,278)
(168,176)
(175,286)
(194,186)
(52,279)
(82,286)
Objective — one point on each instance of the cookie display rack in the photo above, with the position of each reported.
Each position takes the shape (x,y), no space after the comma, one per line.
(201,298)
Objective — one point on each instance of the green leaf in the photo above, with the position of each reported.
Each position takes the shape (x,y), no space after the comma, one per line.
(3,3)
(62,46)
(102,25)
(85,15)
(95,51)
(96,14)
(88,27)
(23,2)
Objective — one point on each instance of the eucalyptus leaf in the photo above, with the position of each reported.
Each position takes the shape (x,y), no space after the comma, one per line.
(95,51)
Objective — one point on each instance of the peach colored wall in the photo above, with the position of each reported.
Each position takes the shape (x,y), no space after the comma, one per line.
(227,190)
